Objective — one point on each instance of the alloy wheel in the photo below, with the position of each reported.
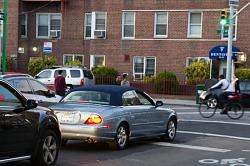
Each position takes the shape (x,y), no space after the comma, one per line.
(121,136)
(171,130)
(49,150)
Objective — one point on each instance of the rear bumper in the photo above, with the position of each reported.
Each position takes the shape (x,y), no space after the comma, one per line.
(81,132)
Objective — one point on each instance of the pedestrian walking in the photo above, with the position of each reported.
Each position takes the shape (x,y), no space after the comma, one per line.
(124,81)
(60,84)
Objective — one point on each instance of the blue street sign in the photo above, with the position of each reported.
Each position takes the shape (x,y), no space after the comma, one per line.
(47,47)
(220,53)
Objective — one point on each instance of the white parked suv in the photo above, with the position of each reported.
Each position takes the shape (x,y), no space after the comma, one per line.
(74,76)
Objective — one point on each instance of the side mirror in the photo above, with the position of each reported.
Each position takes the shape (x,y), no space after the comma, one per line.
(158,104)
(36,76)
(50,93)
(31,104)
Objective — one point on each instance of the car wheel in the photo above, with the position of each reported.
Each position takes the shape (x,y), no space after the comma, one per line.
(47,150)
(170,131)
(121,138)
(64,142)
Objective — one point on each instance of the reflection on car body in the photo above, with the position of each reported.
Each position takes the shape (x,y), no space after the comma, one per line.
(115,114)
(33,89)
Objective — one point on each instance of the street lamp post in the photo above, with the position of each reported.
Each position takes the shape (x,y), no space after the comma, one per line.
(4,36)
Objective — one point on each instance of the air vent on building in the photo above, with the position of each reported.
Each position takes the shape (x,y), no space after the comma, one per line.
(100,34)
(138,76)
(55,33)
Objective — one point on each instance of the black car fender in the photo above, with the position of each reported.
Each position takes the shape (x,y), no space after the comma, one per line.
(47,121)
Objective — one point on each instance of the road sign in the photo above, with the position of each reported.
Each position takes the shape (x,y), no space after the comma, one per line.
(47,47)
(220,52)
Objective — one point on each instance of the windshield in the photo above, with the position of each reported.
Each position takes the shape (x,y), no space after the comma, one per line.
(88,97)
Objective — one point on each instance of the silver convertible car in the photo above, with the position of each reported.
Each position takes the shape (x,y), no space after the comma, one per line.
(114,114)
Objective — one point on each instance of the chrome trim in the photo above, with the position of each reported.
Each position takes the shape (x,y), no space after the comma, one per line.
(14,159)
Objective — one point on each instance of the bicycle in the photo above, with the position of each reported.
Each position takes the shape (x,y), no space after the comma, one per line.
(209,104)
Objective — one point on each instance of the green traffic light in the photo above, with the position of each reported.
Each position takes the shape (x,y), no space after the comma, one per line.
(223,21)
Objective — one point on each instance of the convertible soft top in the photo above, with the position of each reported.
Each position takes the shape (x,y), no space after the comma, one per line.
(116,91)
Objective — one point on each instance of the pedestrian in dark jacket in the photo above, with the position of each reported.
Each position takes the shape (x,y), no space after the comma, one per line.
(60,84)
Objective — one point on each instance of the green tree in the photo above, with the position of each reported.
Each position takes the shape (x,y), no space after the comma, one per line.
(197,72)
(40,63)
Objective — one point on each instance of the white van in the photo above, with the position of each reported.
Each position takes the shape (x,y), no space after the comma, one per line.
(74,76)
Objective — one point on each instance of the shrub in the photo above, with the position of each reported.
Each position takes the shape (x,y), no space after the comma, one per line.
(243,73)
(166,82)
(74,63)
(105,71)
(40,63)
(197,72)
(105,75)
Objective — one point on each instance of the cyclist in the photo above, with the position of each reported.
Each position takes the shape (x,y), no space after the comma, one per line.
(220,87)
(233,88)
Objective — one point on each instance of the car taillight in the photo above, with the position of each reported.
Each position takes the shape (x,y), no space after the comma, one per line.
(82,82)
(93,119)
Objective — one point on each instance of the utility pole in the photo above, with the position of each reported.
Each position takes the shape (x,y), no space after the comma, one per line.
(4,36)
(230,43)
(232,4)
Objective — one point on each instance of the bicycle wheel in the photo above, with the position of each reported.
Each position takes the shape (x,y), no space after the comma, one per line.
(234,110)
(206,111)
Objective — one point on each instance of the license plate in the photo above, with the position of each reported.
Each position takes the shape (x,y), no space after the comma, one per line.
(67,118)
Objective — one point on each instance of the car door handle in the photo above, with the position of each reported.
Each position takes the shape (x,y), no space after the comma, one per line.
(49,80)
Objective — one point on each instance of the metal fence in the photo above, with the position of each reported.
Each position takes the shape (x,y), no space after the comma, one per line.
(154,86)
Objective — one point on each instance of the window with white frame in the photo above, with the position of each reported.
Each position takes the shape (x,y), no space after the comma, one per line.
(23,24)
(48,25)
(128,24)
(190,60)
(73,57)
(87,25)
(161,24)
(95,25)
(143,66)
(97,60)
(195,24)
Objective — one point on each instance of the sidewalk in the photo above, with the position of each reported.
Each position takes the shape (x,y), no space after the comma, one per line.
(176,100)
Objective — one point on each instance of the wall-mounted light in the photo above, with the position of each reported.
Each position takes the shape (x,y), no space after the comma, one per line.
(20,50)
(34,49)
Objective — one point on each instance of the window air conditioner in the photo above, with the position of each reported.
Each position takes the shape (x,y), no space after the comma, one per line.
(138,76)
(55,33)
(100,34)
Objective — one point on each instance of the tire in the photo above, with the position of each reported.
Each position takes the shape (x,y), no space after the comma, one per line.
(206,111)
(121,139)
(171,128)
(234,110)
(64,142)
(46,152)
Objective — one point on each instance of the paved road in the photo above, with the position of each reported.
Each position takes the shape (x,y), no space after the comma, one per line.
(215,141)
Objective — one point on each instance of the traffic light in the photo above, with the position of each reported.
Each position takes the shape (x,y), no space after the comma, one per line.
(224,17)
(241,57)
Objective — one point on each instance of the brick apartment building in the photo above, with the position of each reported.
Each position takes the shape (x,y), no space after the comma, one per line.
(139,37)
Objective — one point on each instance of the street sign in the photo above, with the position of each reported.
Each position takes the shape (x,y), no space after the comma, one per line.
(47,47)
(220,52)
(234,3)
